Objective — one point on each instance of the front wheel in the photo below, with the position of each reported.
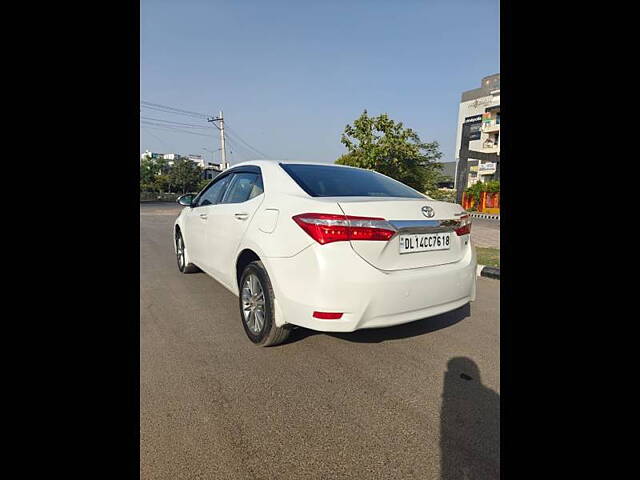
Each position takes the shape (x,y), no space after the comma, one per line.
(181,256)
(256,307)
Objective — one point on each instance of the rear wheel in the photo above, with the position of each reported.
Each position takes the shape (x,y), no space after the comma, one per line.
(256,307)
(181,256)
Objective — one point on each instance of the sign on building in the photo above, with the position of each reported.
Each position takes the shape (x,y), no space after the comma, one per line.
(475,124)
(487,168)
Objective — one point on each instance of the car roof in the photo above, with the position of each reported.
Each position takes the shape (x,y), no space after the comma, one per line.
(274,162)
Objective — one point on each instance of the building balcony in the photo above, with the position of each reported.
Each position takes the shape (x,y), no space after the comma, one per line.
(490,148)
(490,127)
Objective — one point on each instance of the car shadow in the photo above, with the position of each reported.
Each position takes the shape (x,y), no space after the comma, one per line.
(377,335)
(469,424)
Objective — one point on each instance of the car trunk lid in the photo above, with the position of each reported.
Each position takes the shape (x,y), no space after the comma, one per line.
(414,227)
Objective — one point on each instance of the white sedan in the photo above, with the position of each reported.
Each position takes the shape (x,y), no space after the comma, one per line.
(325,247)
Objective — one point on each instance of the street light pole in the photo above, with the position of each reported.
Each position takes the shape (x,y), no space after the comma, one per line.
(212,154)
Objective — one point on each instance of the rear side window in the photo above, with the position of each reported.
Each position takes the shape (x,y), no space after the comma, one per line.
(212,195)
(257,189)
(243,187)
(332,181)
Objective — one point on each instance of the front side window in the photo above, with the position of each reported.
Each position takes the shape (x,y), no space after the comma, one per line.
(332,181)
(212,195)
(243,187)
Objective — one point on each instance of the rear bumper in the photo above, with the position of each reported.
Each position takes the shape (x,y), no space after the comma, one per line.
(333,278)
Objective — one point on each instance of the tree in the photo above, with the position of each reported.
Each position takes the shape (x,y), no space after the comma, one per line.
(203,183)
(148,171)
(162,183)
(380,144)
(154,175)
(185,175)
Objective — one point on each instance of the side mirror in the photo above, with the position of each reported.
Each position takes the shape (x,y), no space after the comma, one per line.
(186,200)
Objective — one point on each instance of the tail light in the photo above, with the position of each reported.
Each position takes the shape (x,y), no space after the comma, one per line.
(465,226)
(326,228)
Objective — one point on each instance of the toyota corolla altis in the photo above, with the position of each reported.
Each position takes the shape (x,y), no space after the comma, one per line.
(325,247)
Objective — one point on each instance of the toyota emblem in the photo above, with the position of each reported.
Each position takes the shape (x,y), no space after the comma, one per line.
(428,211)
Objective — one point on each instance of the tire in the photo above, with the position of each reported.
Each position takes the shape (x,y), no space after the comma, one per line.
(257,316)
(181,256)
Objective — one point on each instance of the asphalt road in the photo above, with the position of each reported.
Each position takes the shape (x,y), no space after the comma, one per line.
(415,401)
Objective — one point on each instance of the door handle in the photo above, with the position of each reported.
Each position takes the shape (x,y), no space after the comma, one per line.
(203,216)
(241,216)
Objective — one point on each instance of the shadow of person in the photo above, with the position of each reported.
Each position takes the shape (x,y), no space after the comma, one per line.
(377,335)
(469,424)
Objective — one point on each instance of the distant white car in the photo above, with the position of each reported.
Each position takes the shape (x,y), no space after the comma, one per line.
(326,247)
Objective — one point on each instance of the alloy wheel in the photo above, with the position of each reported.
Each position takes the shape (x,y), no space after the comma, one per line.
(253,303)
(180,251)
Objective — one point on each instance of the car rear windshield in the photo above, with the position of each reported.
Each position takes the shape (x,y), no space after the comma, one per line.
(332,181)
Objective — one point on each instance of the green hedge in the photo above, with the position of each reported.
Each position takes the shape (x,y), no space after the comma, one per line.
(158,197)
(477,188)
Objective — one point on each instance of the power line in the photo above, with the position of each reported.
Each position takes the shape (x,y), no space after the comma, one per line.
(170,112)
(147,129)
(233,143)
(234,150)
(181,124)
(248,154)
(232,132)
(169,109)
(237,146)
(165,128)
(171,128)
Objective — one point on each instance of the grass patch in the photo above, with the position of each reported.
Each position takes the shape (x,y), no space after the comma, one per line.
(488,256)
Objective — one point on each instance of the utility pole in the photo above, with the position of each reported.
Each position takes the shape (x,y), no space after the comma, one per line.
(220,119)
(224,152)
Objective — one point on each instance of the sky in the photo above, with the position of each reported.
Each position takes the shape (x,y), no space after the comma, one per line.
(289,75)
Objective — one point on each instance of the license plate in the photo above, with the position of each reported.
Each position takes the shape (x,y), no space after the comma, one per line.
(424,242)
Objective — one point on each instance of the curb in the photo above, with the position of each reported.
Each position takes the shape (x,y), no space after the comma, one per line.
(489,272)
(487,216)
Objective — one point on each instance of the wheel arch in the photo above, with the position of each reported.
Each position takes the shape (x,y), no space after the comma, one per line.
(177,227)
(248,254)
(244,258)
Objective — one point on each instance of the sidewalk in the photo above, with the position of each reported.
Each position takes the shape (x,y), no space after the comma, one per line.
(485,233)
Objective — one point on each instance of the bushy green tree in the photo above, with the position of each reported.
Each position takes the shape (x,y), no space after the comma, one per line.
(163,183)
(381,144)
(203,183)
(443,195)
(148,171)
(185,175)
(154,175)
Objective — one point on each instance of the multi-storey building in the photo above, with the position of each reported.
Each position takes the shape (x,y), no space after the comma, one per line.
(480,111)
(150,154)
